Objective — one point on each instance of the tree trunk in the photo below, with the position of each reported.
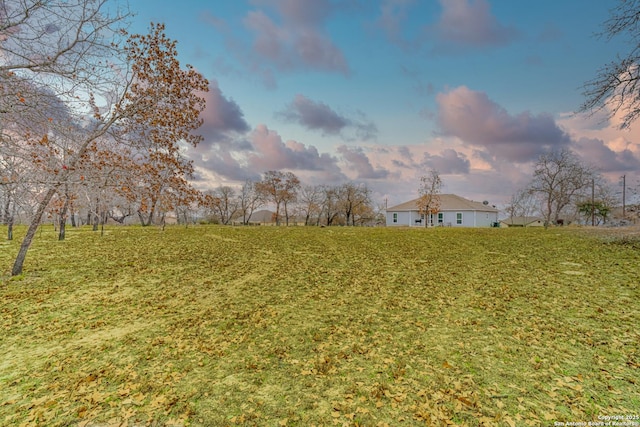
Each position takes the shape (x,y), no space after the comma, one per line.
(286,215)
(103,219)
(31,232)
(10,228)
(7,210)
(145,221)
(63,218)
(277,213)
(61,231)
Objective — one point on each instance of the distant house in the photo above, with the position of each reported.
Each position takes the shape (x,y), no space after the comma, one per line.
(522,221)
(262,217)
(455,211)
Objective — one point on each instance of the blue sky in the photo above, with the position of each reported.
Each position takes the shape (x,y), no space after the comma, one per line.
(380,91)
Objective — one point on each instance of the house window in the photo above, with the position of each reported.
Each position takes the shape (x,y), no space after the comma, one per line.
(458,217)
(440,217)
(395,218)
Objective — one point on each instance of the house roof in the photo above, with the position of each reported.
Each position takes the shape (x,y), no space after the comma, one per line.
(521,220)
(448,202)
(263,215)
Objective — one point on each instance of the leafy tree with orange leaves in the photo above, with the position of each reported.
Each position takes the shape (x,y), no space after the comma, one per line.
(154,108)
(162,110)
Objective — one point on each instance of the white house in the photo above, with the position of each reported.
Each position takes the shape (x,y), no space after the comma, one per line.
(455,211)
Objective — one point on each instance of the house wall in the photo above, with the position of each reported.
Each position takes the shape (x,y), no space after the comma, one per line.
(403,218)
(469,219)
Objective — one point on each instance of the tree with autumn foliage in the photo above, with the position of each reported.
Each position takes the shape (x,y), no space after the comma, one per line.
(429,195)
(147,101)
(161,112)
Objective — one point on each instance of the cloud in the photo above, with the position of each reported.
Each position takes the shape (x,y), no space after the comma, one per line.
(314,115)
(299,40)
(468,24)
(225,164)
(480,122)
(319,116)
(449,161)
(272,153)
(302,13)
(282,36)
(393,14)
(595,151)
(360,163)
(221,117)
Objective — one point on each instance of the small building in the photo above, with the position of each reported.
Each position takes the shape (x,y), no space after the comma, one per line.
(522,221)
(262,217)
(455,211)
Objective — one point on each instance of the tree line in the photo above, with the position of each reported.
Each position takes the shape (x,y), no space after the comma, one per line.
(341,204)
(565,189)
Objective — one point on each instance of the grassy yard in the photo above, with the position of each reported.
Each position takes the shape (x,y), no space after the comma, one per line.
(267,326)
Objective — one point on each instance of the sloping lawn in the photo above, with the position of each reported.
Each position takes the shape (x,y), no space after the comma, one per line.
(219,326)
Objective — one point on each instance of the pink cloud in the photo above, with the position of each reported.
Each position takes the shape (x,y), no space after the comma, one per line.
(597,153)
(393,14)
(271,153)
(299,41)
(359,162)
(469,24)
(449,161)
(480,122)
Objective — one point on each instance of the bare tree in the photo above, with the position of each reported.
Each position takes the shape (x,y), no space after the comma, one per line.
(225,203)
(354,199)
(522,203)
(310,200)
(616,86)
(249,200)
(64,48)
(429,195)
(559,179)
(330,203)
(280,188)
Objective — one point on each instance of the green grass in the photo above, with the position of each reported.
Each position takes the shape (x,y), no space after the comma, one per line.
(271,326)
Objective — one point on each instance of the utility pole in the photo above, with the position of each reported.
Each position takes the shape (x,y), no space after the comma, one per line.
(593,203)
(624,188)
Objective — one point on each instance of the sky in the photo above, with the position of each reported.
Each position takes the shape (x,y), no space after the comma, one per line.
(381,91)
